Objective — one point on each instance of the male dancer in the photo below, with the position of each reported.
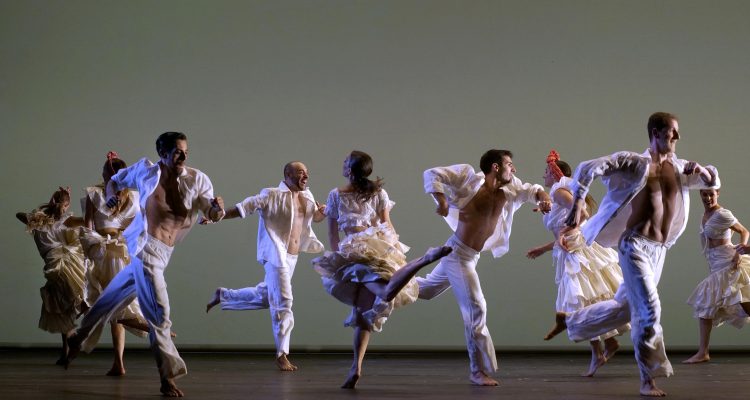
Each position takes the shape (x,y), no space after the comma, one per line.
(646,207)
(171,196)
(284,230)
(479,208)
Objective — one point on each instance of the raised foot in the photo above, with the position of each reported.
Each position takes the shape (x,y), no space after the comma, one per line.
(482,379)
(596,363)
(351,381)
(435,253)
(169,389)
(284,364)
(611,346)
(74,347)
(649,388)
(215,299)
(560,325)
(697,358)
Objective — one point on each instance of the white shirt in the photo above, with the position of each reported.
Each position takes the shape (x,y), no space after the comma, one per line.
(624,174)
(459,183)
(195,188)
(277,213)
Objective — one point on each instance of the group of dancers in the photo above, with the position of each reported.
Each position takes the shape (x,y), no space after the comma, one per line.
(109,265)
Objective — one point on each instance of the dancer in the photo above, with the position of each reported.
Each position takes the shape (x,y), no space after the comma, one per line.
(57,241)
(284,229)
(479,208)
(171,196)
(369,270)
(107,254)
(724,296)
(584,274)
(646,206)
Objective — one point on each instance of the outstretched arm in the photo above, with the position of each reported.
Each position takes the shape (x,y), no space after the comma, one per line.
(538,251)
(543,201)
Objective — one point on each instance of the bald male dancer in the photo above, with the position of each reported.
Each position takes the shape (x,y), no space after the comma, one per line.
(286,214)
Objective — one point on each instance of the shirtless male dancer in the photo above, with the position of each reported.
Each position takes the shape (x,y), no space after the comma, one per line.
(172,194)
(479,208)
(646,207)
(286,214)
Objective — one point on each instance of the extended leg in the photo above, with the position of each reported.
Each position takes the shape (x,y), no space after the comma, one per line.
(362,331)
(704,328)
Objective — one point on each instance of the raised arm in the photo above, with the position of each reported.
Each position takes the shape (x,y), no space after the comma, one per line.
(700,177)
(538,251)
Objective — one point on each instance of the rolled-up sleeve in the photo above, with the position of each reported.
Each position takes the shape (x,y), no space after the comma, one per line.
(252,203)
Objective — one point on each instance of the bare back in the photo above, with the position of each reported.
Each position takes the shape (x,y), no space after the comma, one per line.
(292,245)
(165,211)
(655,205)
(478,219)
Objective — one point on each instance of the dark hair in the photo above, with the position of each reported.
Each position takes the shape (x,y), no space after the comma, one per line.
(360,166)
(48,213)
(493,156)
(564,168)
(659,121)
(168,141)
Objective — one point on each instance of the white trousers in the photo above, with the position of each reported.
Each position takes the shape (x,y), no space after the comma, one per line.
(458,270)
(142,278)
(636,301)
(274,293)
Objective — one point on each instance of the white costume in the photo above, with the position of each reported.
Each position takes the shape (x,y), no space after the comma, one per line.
(584,274)
(106,255)
(718,297)
(641,259)
(373,254)
(277,212)
(459,184)
(144,276)
(64,270)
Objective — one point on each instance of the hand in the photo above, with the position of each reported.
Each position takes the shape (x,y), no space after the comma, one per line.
(543,206)
(564,233)
(692,168)
(218,202)
(535,252)
(320,208)
(742,249)
(204,221)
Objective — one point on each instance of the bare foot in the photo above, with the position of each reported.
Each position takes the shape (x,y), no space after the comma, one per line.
(482,379)
(169,389)
(351,380)
(215,299)
(611,346)
(649,388)
(116,371)
(596,363)
(560,325)
(435,253)
(74,347)
(284,364)
(697,358)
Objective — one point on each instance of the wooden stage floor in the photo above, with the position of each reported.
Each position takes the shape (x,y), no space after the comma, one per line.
(31,374)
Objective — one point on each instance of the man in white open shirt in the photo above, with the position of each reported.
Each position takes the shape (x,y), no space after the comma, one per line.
(284,230)
(479,208)
(644,212)
(171,195)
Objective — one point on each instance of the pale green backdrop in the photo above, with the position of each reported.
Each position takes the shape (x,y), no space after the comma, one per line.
(416,84)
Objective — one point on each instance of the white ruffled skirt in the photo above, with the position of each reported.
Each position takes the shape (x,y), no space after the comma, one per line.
(585,275)
(718,297)
(106,257)
(62,295)
(368,256)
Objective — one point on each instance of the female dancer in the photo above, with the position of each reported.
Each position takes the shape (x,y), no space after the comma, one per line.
(368,270)
(105,248)
(724,296)
(584,274)
(62,295)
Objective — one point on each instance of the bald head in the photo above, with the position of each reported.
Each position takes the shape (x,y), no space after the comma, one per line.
(295,176)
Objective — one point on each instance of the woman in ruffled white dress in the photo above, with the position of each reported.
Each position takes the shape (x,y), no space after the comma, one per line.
(56,236)
(584,274)
(724,296)
(368,270)
(107,253)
